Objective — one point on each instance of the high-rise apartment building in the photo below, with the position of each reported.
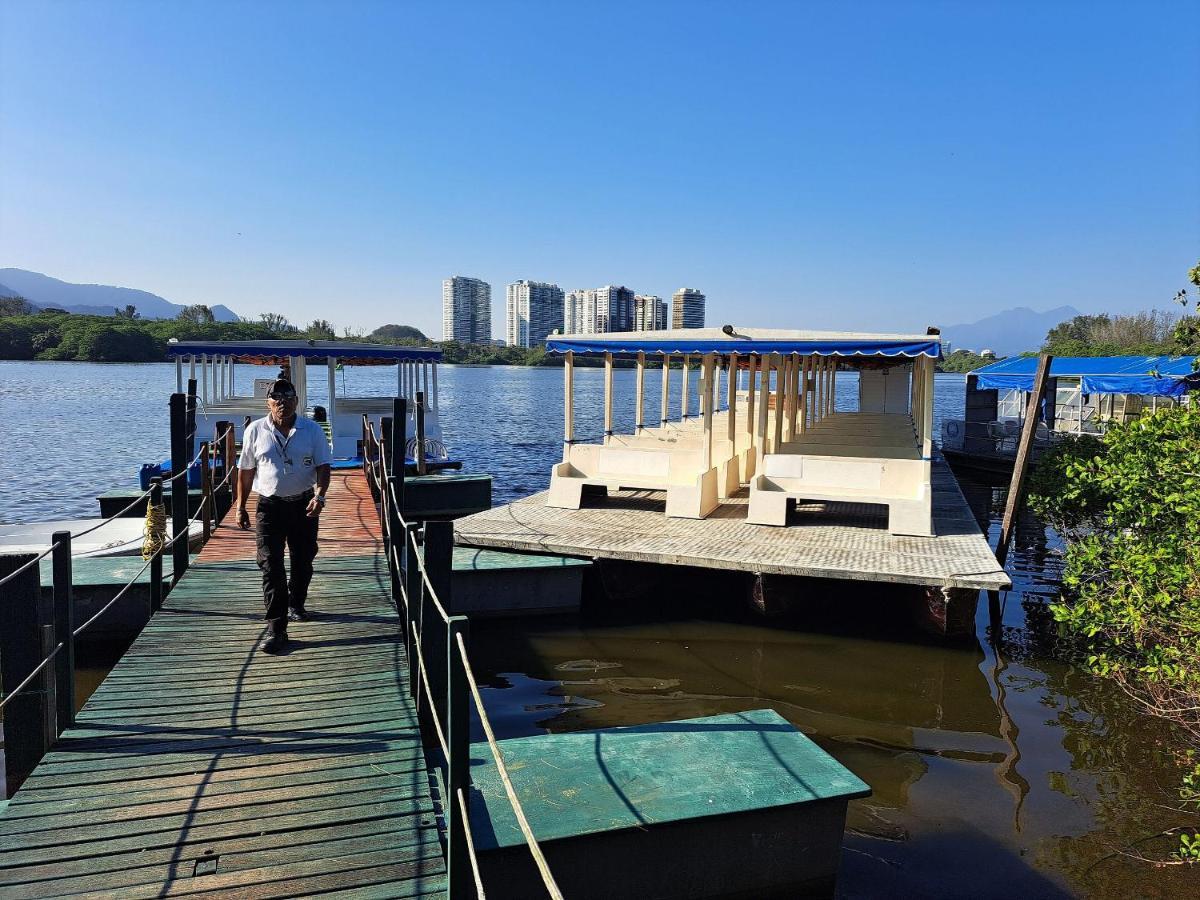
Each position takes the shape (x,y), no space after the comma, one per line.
(687,309)
(533,310)
(466,310)
(609,308)
(649,313)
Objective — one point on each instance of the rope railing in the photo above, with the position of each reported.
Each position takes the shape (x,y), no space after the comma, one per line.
(140,497)
(538,858)
(427,623)
(28,678)
(62,582)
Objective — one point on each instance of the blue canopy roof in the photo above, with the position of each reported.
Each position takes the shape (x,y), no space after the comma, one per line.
(756,341)
(277,351)
(1164,376)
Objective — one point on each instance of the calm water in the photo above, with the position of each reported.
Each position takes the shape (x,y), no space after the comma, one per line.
(995,774)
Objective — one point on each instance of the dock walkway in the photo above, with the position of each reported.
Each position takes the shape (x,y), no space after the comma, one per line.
(203,766)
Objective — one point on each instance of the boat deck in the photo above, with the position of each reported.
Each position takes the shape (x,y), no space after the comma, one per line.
(203,766)
(847,541)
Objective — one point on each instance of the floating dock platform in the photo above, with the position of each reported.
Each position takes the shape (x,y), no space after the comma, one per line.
(842,541)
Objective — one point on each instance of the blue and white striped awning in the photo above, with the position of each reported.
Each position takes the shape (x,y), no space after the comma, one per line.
(757,341)
(276,351)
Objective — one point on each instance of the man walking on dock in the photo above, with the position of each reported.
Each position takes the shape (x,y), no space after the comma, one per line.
(286,458)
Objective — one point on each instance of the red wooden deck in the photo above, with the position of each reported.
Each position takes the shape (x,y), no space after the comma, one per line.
(349,524)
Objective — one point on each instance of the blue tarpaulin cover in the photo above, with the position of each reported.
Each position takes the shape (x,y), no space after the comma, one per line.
(266,351)
(1164,376)
(757,341)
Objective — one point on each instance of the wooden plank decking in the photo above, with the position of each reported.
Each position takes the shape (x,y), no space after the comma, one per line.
(837,540)
(203,766)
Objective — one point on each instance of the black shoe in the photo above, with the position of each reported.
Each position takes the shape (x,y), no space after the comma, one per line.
(297,615)
(274,643)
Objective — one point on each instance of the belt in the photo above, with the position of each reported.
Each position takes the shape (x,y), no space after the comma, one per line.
(303,495)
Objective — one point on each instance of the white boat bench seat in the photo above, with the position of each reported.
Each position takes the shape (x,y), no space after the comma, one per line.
(730,458)
(898,481)
(691,490)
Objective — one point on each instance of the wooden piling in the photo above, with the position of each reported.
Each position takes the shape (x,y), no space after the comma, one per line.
(191,418)
(156,562)
(1016,486)
(179,482)
(64,631)
(458,763)
(206,504)
(419,455)
(20,653)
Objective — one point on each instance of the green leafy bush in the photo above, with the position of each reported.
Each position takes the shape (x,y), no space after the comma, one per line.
(1129,506)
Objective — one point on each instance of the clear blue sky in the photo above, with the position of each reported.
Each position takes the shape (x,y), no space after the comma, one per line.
(858,165)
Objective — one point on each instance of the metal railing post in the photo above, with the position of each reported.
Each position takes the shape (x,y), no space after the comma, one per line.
(64,628)
(191,418)
(414,592)
(385,519)
(439,558)
(206,511)
(458,766)
(156,564)
(396,445)
(420,413)
(179,483)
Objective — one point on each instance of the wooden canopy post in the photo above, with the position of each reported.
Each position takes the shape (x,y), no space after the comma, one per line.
(639,425)
(763,403)
(708,367)
(793,395)
(433,402)
(732,386)
(780,385)
(331,365)
(204,378)
(750,398)
(608,397)
(666,390)
(684,400)
(568,404)
(1024,451)
(833,370)
(179,374)
(400,378)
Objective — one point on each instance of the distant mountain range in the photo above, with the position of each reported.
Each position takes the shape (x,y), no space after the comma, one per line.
(92,299)
(1006,334)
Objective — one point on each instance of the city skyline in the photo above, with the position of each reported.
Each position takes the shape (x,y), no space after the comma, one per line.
(876,166)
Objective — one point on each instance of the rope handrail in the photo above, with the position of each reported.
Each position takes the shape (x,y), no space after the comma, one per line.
(441,735)
(28,678)
(470,838)
(538,858)
(33,562)
(140,497)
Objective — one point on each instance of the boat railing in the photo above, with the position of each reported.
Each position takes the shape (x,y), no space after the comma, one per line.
(57,638)
(443,684)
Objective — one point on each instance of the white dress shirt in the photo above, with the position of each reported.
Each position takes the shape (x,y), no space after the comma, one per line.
(285,465)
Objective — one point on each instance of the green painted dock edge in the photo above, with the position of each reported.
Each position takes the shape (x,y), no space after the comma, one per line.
(446,495)
(472,559)
(586,782)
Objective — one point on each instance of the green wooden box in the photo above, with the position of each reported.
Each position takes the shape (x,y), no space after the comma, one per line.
(739,805)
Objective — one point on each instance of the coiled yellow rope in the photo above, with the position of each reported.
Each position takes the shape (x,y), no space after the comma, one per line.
(156,529)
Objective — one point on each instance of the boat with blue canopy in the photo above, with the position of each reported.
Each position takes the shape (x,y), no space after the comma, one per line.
(213,365)
(780,431)
(1084,395)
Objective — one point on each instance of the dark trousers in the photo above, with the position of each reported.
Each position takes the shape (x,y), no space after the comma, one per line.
(277,522)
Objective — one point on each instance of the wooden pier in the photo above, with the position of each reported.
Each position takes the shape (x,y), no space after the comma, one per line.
(845,541)
(203,766)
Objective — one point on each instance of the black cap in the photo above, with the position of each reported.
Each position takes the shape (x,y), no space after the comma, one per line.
(281,386)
